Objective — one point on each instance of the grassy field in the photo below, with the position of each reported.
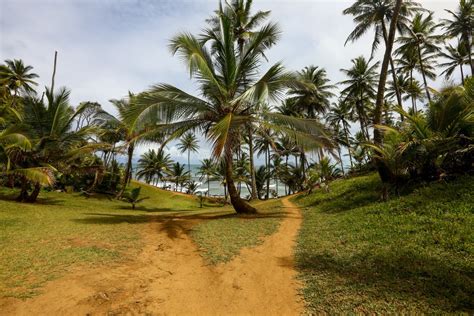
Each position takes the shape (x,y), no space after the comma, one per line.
(43,241)
(220,240)
(412,254)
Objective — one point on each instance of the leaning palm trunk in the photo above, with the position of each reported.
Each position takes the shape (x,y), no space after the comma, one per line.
(423,74)
(239,205)
(392,68)
(384,172)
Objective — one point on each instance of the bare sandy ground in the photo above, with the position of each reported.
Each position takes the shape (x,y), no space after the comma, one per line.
(169,277)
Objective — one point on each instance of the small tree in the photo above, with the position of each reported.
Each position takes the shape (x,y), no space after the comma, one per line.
(132,196)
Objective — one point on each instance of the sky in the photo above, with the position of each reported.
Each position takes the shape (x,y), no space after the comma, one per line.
(109,47)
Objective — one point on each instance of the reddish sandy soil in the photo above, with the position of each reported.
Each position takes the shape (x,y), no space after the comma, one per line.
(169,277)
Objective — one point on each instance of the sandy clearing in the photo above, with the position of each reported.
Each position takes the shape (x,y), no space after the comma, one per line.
(169,277)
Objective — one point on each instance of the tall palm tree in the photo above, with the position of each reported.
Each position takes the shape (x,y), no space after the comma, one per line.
(457,57)
(421,40)
(230,86)
(339,115)
(462,25)
(207,170)
(188,142)
(179,175)
(370,14)
(247,25)
(312,91)
(360,88)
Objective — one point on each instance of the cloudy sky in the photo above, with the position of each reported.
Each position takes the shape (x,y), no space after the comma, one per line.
(109,47)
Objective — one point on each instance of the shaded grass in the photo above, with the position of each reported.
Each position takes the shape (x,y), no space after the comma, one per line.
(42,241)
(221,240)
(409,255)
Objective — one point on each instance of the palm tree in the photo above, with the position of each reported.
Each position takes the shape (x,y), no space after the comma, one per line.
(311,92)
(179,175)
(247,25)
(339,116)
(133,131)
(421,41)
(375,14)
(457,57)
(189,143)
(359,89)
(153,164)
(231,87)
(208,170)
(379,103)
(462,25)
(17,77)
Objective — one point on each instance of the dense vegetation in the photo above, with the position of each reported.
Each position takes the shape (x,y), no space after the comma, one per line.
(242,112)
(413,254)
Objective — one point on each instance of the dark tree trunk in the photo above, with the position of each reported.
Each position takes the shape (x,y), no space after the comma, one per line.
(268,174)
(34,195)
(384,171)
(462,74)
(346,132)
(422,68)
(240,206)
(24,190)
(128,170)
(392,67)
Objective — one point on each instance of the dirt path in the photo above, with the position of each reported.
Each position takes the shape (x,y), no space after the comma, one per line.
(170,278)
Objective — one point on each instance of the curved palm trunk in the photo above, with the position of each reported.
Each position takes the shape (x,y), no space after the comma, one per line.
(340,159)
(423,74)
(268,173)
(413,99)
(462,74)
(346,132)
(208,187)
(240,206)
(34,195)
(383,170)
(469,56)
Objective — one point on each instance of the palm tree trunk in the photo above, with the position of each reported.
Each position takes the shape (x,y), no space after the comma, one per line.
(392,67)
(253,191)
(384,171)
(423,74)
(462,74)
(240,206)
(469,55)
(208,186)
(413,100)
(128,170)
(34,195)
(340,159)
(346,132)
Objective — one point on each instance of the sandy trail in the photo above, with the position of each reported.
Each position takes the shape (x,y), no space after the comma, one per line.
(169,277)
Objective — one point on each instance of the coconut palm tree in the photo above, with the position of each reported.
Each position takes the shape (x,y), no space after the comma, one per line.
(133,131)
(17,76)
(360,89)
(421,40)
(312,92)
(370,14)
(461,25)
(178,175)
(188,142)
(230,86)
(456,57)
(154,165)
(207,170)
(339,116)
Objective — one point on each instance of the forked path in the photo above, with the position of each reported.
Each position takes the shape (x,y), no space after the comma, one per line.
(170,278)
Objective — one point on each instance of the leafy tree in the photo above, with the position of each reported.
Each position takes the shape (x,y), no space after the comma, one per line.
(359,89)
(461,25)
(230,86)
(208,170)
(189,143)
(132,196)
(178,175)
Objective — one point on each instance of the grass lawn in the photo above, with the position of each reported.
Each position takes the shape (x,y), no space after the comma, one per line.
(42,241)
(412,254)
(220,240)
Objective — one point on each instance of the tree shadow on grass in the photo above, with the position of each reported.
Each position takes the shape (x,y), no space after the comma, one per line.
(405,276)
(42,200)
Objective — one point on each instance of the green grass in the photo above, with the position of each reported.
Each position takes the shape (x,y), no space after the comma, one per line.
(43,241)
(40,242)
(221,240)
(411,254)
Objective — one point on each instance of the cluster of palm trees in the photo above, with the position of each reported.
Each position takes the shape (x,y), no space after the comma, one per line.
(299,123)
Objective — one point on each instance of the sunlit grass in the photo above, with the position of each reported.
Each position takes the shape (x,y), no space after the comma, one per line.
(412,254)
